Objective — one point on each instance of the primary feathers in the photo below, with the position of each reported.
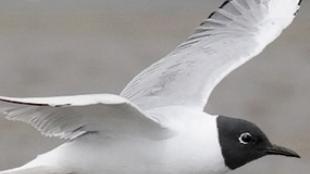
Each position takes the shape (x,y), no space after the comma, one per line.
(157,124)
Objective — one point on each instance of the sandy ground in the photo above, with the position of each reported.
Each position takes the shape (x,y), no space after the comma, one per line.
(55,47)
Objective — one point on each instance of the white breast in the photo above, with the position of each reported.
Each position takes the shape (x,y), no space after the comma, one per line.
(194,149)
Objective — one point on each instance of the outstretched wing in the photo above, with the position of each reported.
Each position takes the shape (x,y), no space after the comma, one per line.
(231,36)
(72,116)
(37,170)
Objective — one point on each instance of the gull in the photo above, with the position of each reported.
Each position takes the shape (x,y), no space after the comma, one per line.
(157,125)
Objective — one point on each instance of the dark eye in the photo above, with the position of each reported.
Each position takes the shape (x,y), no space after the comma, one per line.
(246,138)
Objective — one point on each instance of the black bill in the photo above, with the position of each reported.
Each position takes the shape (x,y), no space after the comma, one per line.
(278,150)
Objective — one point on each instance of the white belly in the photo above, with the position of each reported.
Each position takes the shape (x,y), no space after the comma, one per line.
(192,151)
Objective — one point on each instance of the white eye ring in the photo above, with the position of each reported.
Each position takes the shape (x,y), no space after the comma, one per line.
(244,135)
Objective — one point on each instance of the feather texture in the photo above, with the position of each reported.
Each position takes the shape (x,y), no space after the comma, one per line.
(70,117)
(231,36)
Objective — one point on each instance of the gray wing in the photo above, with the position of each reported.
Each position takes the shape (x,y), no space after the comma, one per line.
(69,117)
(231,36)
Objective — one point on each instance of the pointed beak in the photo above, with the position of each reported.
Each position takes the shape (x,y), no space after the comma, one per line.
(278,150)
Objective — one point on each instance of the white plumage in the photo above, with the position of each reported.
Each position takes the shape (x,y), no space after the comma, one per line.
(156,124)
(235,33)
(69,117)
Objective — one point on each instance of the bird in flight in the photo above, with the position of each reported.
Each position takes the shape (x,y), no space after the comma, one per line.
(157,125)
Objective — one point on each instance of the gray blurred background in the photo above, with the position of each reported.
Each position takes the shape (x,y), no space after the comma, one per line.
(57,47)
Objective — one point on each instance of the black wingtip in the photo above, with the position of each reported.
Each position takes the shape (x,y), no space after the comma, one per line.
(22,103)
(225,3)
(299,4)
(32,104)
(221,6)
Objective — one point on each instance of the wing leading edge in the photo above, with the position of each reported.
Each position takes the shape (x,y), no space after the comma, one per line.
(231,36)
(69,117)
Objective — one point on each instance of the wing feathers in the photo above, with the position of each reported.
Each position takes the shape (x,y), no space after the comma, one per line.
(36,170)
(70,117)
(78,100)
(232,35)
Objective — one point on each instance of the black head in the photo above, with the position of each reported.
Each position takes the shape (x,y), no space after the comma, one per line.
(242,142)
